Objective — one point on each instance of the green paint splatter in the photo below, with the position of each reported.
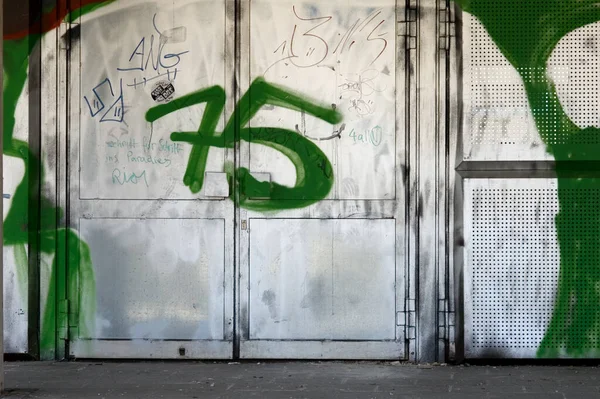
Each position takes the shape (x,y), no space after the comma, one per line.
(79,286)
(31,223)
(526,32)
(20,256)
(314,173)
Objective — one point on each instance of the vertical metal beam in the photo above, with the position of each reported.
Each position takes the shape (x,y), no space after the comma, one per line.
(413,174)
(234,73)
(33,88)
(457,204)
(1,210)
(428,165)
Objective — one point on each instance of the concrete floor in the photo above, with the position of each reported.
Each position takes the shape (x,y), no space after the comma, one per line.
(81,380)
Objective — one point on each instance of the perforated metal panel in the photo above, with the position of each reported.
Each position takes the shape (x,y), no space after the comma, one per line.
(520,301)
(499,121)
(512,265)
(532,282)
(498,118)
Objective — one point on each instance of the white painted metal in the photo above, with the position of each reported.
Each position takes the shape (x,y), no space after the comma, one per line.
(15,271)
(429,163)
(454,190)
(154,284)
(325,279)
(512,264)
(53,113)
(342,350)
(151,349)
(388,182)
(499,125)
(122,156)
(362,273)
(15,295)
(411,175)
(446,153)
(162,256)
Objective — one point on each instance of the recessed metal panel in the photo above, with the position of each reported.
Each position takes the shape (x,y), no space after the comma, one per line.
(309,350)
(322,279)
(512,265)
(157,278)
(341,56)
(135,57)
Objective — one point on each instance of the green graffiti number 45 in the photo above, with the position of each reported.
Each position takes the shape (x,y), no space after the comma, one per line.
(314,173)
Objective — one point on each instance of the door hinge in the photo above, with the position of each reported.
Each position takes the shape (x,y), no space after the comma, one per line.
(65,32)
(63,320)
(446,320)
(64,36)
(447,27)
(407,319)
(408,28)
(66,321)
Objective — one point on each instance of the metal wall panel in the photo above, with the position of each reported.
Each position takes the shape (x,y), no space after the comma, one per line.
(343,55)
(512,265)
(529,200)
(15,302)
(15,258)
(498,122)
(322,279)
(157,278)
(143,47)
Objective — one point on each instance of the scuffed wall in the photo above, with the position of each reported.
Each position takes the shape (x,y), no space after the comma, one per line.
(23,233)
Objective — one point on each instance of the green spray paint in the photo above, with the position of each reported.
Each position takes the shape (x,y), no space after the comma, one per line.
(314,173)
(33,224)
(526,32)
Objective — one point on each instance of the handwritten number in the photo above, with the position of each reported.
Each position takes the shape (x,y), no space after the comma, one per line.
(345,42)
(309,33)
(385,43)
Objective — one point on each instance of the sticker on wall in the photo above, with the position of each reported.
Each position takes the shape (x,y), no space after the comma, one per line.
(163,91)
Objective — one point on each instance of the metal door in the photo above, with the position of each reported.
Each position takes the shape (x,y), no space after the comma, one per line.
(321,205)
(151,264)
(307,162)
